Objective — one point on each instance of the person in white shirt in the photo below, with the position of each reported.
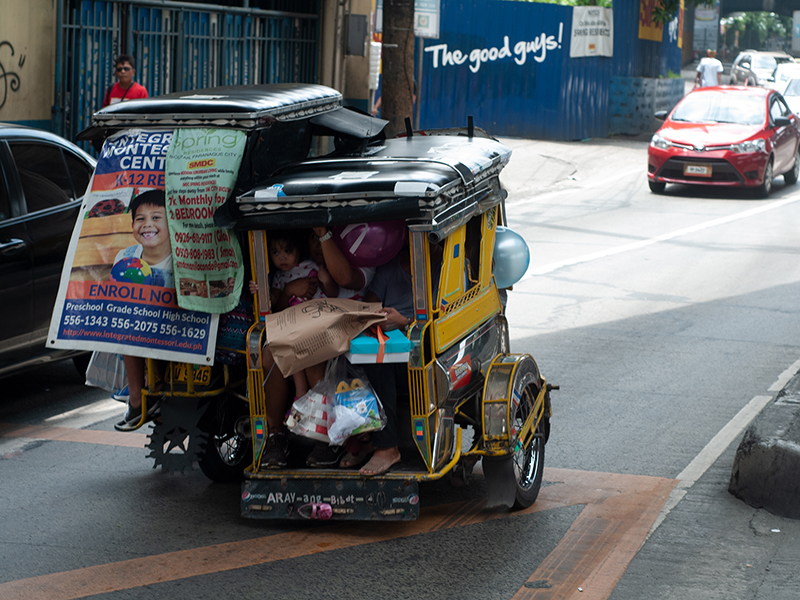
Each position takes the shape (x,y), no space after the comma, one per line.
(709,70)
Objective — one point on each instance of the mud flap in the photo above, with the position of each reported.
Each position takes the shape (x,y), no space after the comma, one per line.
(500,481)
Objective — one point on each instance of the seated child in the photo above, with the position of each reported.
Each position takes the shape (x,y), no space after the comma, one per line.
(285,257)
(149,221)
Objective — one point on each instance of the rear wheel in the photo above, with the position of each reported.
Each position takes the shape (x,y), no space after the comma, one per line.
(790,177)
(765,188)
(657,187)
(229,445)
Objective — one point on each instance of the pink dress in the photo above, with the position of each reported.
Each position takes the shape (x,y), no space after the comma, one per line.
(306,268)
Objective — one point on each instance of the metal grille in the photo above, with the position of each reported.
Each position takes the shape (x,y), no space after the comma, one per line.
(177,46)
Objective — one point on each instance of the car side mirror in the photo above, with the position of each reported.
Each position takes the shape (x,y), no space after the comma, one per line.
(660,114)
(782,121)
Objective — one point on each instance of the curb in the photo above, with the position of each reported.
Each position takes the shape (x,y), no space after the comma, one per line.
(766,469)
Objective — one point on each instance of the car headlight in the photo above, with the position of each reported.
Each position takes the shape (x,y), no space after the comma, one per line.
(757,145)
(660,142)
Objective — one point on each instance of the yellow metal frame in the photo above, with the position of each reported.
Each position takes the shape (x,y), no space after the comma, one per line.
(459,307)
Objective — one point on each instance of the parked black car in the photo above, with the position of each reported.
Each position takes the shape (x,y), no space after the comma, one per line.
(43,178)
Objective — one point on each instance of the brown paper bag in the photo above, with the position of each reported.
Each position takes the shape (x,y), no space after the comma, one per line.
(317,330)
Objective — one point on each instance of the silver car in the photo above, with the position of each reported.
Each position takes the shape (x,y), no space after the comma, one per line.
(752,67)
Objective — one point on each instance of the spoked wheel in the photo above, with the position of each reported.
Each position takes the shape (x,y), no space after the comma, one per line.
(229,445)
(528,462)
(514,480)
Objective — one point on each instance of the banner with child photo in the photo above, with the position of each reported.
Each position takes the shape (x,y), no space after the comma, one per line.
(118,289)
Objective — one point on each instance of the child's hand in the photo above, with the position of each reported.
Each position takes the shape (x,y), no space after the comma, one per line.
(253,287)
(302,288)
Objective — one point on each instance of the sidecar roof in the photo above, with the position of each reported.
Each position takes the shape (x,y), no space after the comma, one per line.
(432,181)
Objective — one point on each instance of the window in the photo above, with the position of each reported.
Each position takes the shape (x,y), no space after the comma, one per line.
(79,172)
(5,207)
(43,174)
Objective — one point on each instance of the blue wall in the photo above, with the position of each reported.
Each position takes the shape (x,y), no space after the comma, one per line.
(542,93)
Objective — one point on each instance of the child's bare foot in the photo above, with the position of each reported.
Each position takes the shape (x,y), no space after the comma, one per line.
(381,461)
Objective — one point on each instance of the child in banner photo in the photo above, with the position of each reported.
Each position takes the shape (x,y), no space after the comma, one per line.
(286,258)
(150,261)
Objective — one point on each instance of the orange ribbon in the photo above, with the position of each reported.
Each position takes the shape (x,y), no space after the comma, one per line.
(378,333)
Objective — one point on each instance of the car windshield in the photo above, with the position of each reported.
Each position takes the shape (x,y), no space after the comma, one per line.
(707,107)
(764,62)
(792,88)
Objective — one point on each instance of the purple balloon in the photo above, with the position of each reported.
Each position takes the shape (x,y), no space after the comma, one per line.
(370,244)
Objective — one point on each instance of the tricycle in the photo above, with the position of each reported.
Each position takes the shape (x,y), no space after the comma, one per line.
(310,164)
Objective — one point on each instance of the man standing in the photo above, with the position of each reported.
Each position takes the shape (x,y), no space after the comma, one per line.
(709,70)
(125,88)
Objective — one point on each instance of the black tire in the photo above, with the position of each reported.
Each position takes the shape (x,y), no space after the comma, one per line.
(81,363)
(791,176)
(528,462)
(229,447)
(765,188)
(657,187)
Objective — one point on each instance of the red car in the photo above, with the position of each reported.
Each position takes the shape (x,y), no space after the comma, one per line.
(726,136)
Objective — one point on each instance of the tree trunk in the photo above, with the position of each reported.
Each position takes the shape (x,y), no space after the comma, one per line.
(397,71)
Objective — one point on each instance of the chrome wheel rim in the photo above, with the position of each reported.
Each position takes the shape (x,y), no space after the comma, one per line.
(525,460)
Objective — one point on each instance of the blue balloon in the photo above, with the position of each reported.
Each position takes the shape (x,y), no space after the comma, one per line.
(511,257)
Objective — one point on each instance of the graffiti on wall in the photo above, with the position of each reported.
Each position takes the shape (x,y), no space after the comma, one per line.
(537,47)
(8,79)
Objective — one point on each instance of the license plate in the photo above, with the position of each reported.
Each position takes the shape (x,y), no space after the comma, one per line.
(202,375)
(697,170)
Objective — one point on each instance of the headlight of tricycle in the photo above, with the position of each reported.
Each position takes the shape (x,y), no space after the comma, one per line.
(495,418)
(757,145)
(660,142)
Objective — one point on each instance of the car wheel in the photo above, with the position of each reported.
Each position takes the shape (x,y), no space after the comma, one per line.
(790,177)
(657,187)
(81,363)
(765,188)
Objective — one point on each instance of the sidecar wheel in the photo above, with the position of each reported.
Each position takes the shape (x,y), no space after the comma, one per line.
(514,480)
(528,463)
(228,448)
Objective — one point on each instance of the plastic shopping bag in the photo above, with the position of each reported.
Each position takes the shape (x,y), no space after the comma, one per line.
(107,371)
(308,416)
(356,407)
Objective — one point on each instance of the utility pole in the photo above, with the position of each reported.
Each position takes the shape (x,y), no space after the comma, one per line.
(397,56)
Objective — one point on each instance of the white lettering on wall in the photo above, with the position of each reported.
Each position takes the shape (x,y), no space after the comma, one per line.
(537,47)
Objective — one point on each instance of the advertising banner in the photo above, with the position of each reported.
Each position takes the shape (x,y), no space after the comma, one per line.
(201,169)
(592,32)
(117,291)
(706,28)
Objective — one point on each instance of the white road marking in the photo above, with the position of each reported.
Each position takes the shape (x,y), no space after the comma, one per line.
(709,455)
(543,270)
(81,417)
